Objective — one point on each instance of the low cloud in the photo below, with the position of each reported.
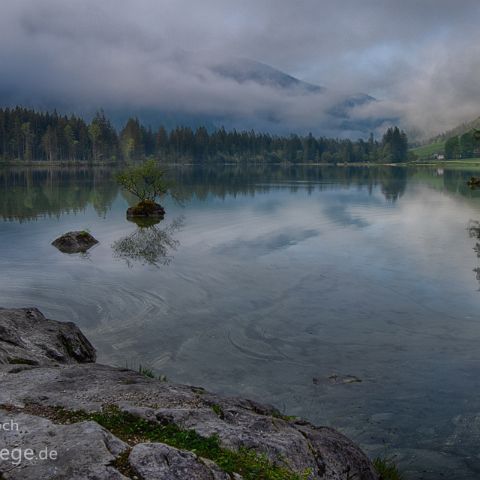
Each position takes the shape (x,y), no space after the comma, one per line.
(420,59)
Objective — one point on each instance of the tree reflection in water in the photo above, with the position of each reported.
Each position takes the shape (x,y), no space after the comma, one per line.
(148,244)
(474,231)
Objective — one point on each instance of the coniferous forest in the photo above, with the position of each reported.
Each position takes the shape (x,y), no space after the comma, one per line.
(30,136)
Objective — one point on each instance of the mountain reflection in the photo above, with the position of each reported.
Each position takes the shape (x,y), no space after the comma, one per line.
(148,245)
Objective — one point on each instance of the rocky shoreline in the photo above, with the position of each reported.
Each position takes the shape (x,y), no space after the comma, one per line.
(108,423)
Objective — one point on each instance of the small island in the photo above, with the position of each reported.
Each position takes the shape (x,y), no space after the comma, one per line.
(146,182)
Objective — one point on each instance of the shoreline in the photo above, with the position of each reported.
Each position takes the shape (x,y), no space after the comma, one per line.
(124,424)
(422,163)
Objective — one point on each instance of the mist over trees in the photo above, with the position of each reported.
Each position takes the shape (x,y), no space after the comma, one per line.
(30,136)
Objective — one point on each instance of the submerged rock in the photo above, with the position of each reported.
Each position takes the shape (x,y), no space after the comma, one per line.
(474,182)
(75,242)
(33,391)
(146,209)
(335,379)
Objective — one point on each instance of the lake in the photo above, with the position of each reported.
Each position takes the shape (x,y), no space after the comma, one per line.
(343,295)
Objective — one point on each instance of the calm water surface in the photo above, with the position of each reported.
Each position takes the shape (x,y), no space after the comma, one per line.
(268,282)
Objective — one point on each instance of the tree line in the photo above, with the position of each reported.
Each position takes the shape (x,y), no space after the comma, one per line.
(29,136)
(463,146)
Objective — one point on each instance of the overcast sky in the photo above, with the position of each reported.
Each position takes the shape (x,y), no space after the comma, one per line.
(421,58)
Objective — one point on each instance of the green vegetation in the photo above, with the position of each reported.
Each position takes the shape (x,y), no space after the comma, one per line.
(30,136)
(218,410)
(145,181)
(463,146)
(459,130)
(145,371)
(429,151)
(287,418)
(454,147)
(386,469)
(133,430)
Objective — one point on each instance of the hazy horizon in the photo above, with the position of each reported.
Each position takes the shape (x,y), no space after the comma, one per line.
(420,61)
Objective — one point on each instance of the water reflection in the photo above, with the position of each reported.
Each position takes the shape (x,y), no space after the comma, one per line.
(27,193)
(283,275)
(474,232)
(148,244)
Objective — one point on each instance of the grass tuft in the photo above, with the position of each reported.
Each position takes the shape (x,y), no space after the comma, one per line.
(386,469)
(145,371)
(218,411)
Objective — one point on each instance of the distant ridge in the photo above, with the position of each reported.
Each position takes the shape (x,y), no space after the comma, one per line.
(245,70)
(456,131)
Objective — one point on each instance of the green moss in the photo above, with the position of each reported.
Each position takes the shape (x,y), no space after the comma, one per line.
(287,418)
(218,411)
(21,361)
(386,469)
(132,429)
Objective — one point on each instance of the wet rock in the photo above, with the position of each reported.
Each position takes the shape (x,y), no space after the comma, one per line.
(27,338)
(146,209)
(61,452)
(75,242)
(157,461)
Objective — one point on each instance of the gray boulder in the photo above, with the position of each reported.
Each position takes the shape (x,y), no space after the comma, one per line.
(60,452)
(157,461)
(28,338)
(75,242)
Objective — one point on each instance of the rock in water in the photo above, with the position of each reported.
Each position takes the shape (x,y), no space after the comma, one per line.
(75,242)
(474,182)
(146,209)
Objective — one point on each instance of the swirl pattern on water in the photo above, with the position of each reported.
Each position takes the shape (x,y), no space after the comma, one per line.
(278,284)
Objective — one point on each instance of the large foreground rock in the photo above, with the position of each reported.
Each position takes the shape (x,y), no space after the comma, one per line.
(80,451)
(157,461)
(28,338)
(237,422)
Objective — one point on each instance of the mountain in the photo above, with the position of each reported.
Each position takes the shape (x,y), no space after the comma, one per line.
(245,70)
(297,106)
(189,89)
